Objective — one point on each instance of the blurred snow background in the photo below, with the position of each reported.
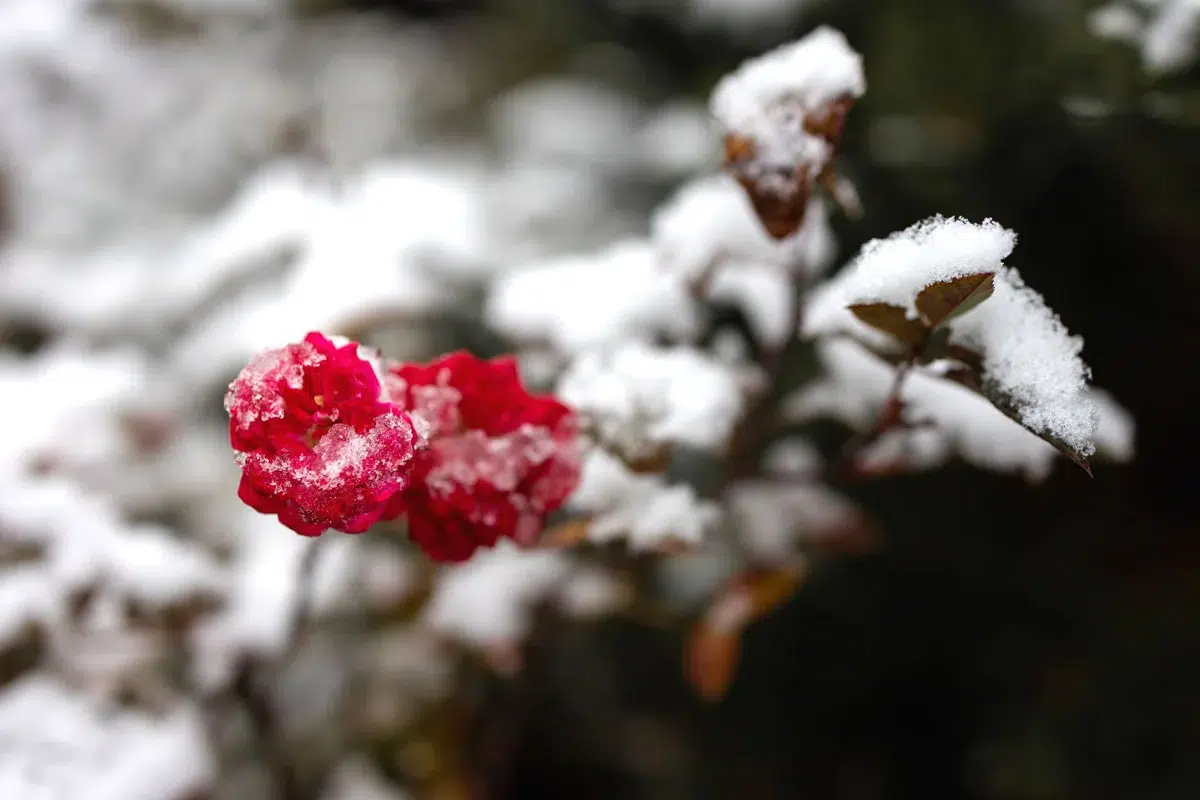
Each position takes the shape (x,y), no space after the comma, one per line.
(185,182)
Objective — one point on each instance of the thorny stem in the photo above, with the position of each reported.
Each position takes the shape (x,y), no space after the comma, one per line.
(249,687)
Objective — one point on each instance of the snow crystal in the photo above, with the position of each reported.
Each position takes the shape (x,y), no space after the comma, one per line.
(710,221)
(643,509)
(578,302)
(857,382)
(488,600)
(894,270)
(341,464)
(767,98)
(638,397)
(256,395)
(501,461)
(1028,355)
(56,745)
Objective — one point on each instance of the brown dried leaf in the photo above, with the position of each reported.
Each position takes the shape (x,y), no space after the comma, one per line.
(945,300)
(829,121)
(892,320)
(781,214)
(711,659)
(714,647)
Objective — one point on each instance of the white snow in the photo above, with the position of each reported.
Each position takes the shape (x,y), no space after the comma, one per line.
(767,98)
(709,222)
(638,397)
(856,384)
(488,600)
(1027,352)
(580,302)
(58,745)
(642,509)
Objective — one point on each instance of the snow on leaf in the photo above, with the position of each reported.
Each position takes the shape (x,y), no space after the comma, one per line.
(642,509)
(580,302)
(487,601)
(56,745)
(709,222)
(1031,365)
(638,397)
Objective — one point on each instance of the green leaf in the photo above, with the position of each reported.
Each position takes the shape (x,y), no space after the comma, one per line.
(946,300)
(892,320)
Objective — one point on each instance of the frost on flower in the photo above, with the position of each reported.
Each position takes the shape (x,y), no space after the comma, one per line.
(56,745)
(498,458)
(1030,365)
(642,509)
(710,222)
(637,398)
(783,113)
(577,302)
(317,445)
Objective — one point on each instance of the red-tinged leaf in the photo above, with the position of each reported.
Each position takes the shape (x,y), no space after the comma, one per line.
(781,213)
(828,121)
(945,300)
(892,320)
(711,660)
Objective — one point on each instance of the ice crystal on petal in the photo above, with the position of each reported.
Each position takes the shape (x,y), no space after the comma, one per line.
(498,459)
(316,442)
